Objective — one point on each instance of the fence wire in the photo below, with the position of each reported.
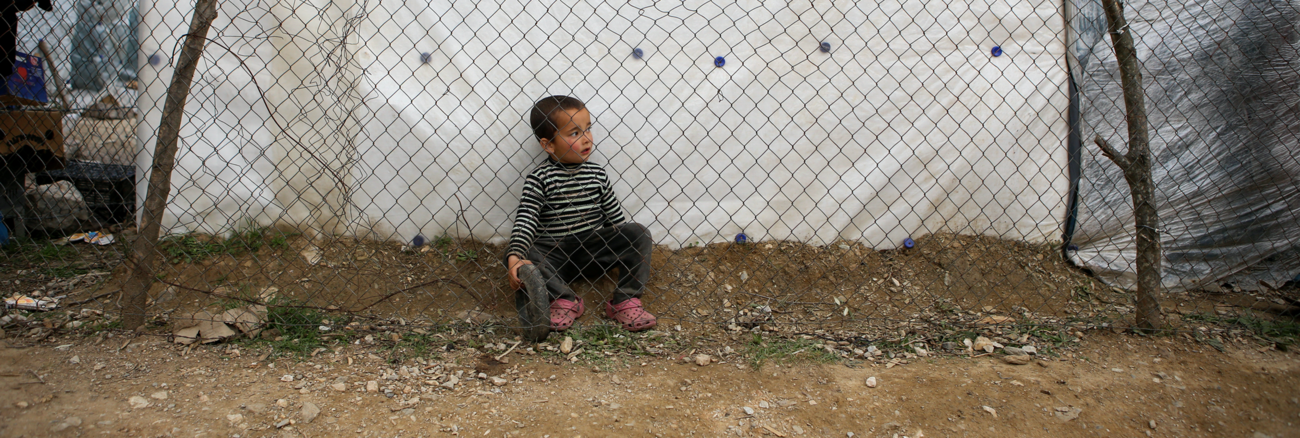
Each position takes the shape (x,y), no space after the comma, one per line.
(800,166)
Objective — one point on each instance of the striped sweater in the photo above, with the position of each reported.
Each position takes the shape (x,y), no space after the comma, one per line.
(561,200)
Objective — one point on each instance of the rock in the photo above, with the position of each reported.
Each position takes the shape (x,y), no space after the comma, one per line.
(311,255)
(1067,413)
(703,359)
(340,387)
(567,346)
(949,346)
(451,382)
(160,395)
(66,424)
(797,430)
(871,382)
(372,386)
(983,343)
(497,381)
(763,404)
(1029,349)
(22,405)
(255,408)
(990,410)
(75,360)
(1042,363)
(309,412)
(235,419)
(748,410)
(282,403)
(921,352)
(1021,359)
(286,378)
(1014,351)
(138,402)
(64,347)
(282,423)
(247,319)
(57,207)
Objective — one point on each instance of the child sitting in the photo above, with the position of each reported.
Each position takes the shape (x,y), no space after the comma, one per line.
(570,224)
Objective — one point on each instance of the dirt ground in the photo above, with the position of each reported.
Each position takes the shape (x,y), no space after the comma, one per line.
(1106,384)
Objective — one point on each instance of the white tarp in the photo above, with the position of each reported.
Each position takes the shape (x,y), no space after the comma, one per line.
(907,126)
(1220,81)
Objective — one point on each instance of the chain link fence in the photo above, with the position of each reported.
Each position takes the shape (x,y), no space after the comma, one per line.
(801,166)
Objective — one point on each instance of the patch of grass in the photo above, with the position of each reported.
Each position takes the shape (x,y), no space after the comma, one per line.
(190,248)
(1279,332)
(467,256)
(299,329)
(785,350)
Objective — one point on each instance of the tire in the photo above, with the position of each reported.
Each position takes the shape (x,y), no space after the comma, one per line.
(534,305)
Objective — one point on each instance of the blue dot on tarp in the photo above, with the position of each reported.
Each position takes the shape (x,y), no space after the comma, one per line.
(908,242)
(418,241)
(825,47)
(638,53)
(996,51)
(426,57)
(742,238)
(155,59)
(720,61)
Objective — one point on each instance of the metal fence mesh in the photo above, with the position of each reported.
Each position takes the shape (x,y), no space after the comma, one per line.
(801,166)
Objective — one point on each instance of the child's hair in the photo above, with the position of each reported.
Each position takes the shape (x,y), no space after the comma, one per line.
(543,125)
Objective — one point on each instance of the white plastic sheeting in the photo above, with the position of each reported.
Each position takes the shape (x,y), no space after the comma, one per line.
(907,126)
(1220,79)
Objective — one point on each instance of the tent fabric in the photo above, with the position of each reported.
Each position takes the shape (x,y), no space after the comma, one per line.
(1220,79)
(324,116)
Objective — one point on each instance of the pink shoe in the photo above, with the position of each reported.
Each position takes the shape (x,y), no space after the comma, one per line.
(564,312)
(631,315)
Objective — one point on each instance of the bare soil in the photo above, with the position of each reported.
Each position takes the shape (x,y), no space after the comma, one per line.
(1106,385)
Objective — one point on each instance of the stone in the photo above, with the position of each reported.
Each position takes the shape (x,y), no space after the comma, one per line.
(949,346)
(160,395)
(871,382)
(372,386)
(340,387)
(763,404)
(983,343)
(451,382)
(22,405)
(57,207)
(703,359)
(1067,413)
(286,378)
(235,419)
(282,423)
(138,402)
(1014,351)
(497,381)
(567,346)
(797,430)
(66,424)
(990,410)
(1029,349)
(309,412)
(75,360)
(1021,359)
(748,410)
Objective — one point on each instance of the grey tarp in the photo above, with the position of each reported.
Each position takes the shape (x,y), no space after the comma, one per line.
(1222,80)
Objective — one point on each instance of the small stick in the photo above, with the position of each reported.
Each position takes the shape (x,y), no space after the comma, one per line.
(38,376)
(512,348)
(54,74)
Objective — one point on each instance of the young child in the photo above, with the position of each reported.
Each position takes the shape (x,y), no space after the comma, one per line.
(570,224)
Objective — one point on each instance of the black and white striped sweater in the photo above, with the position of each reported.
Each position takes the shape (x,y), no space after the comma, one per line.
(561,200)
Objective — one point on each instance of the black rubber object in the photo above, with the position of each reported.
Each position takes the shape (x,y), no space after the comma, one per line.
(534,305)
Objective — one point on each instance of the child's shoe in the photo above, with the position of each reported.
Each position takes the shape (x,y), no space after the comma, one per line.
(631,315)
(564,312)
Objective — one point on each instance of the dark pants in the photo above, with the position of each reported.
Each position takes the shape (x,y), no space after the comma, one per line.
(591,254)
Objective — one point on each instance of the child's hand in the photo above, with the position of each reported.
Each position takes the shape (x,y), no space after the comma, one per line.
(513,263)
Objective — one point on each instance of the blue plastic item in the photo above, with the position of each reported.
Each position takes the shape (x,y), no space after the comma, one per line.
(418,241)
(638,53)
(4,232)
(825,47)
(425,57)
(742,238)
(720,61)
(908,243)
(996,51)
(155,59)
(28,79)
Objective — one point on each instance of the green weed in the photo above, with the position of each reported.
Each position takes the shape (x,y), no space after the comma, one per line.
(786,350)
(190,248)
(1280,332)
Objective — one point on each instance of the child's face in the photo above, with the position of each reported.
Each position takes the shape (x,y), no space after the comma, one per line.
(573,140)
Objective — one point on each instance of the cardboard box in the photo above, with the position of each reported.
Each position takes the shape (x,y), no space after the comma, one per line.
(33,136)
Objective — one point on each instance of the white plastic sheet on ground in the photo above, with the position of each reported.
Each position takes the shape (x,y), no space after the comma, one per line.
(908,126)
(1220,85)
